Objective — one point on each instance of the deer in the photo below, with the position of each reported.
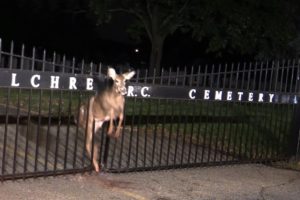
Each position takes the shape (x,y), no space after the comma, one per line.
(106,105)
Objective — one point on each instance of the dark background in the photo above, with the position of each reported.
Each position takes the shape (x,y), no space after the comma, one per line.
(76,34)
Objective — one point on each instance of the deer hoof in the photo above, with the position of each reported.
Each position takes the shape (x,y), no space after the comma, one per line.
(97,168)
(109,132)
(117,134)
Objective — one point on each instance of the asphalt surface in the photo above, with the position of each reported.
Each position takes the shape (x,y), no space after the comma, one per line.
(227,182)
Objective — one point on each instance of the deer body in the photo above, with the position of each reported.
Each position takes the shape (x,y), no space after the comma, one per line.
(107,105)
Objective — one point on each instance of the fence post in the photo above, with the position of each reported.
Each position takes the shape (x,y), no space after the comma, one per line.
(294,137)
(293,148)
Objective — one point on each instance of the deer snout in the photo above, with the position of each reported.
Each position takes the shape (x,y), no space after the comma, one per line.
(123,90)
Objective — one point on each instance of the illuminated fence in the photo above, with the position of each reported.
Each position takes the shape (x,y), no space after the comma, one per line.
(183,117)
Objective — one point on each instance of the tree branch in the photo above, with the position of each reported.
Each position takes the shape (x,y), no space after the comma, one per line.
(174,18)
(148,9)
(138,16)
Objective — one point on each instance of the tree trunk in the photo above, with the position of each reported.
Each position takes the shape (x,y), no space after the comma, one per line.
(156,55)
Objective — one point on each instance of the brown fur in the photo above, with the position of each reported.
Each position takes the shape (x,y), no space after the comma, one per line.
(107,105)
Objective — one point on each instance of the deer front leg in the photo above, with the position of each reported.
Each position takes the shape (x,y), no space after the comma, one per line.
(117,134)
(111,124)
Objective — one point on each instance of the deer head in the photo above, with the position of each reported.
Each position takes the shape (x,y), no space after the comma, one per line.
(120,80)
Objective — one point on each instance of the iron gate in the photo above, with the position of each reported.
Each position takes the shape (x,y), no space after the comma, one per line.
(185,117)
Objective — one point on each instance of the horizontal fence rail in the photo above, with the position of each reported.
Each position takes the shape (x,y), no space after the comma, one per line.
(180,117)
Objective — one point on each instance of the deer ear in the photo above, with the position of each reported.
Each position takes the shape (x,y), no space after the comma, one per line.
(129,75)
(111,72)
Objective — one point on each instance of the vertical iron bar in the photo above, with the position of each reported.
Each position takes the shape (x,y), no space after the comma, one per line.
(154,76)
(193,107)
(155,132)
(64,64)
(38,132)
(184,76)
(68,128)
(257,153)
(17,132)
(170,132)
(5,131)
(131,133)
(101,145)
(48,131)
(77,131)
(163,131)
(255,116)
(218,112)
(22,57)
(245,155)
(198,75)
(184,132)
(146,76)
(82,66)
(122,141)
(177,76)
(93,143)
(44,61)
(33,59)
(53,61)
(206,123)
(191,77)
(86,134)
(212,135)
(244,110)
(58,131)
(169,76)
(28,130)
(11,55)
(138,131)
(268,143)
(137,77)
(73,65)
(198,143)
(161,76)
(100,68)
(177,131)
(225,114)
(238,107)
(146,133)
(230,121)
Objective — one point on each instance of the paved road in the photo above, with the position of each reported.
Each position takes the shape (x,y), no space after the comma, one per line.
(226,182)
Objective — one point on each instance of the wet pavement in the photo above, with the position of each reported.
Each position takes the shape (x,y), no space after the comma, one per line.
(251,181)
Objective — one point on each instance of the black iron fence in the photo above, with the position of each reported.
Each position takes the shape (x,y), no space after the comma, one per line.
(183,117)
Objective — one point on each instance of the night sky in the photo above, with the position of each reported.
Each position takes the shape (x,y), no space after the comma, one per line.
(77,35)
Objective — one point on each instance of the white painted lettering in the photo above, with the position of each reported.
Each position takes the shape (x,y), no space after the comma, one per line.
(250,96)
(206,94)
(240,94)
(72,83)
(54,81)
(271,97)
(130,91)
(260,97)
(218,95)
(229,96)
(143,92)
(13,80)
(192,93)
(89,84)
(33,79)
